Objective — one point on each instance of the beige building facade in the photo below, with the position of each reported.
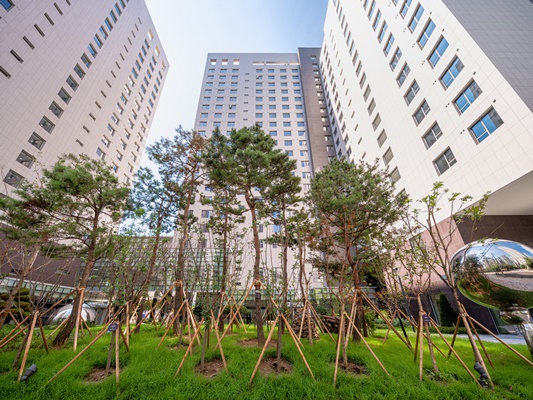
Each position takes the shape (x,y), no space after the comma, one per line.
(76,77)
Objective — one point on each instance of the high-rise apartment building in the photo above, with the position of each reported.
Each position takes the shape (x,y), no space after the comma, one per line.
(437,90)
(282,94)
(76,77)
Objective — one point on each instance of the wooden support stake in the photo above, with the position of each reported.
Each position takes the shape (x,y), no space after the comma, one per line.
(263,351)
(8,337)
(117,353)
(339,340)
(78,317)
(28,344)
(420,346)
(87,327)
(479,340)
(368,347)
(501,341)
(156,304)
(215,328)
(124,336)
(373,306)
(189,349)
(234,316)
(455,333)
(454,352)
(297,343)
(81,352)
(43,336)
(170,325)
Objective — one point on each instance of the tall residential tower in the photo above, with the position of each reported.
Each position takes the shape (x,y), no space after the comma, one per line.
(282,93)
(76,77)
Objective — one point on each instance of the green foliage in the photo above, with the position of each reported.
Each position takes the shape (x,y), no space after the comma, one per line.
(149,373)
(448,316)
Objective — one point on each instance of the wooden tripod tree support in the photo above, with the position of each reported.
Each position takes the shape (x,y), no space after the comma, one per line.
(214,325)
(373,306)
(232,319)
(453,351)
(156,304)
(169,326)
(297,343)
(189,349)
(116,334)
(423,322)
(13,333)
(474,321)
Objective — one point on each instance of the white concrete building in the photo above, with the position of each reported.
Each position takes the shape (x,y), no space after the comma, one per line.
(76,77)
(438,90)
(279,93)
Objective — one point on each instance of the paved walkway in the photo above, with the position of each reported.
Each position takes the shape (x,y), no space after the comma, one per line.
(509,339)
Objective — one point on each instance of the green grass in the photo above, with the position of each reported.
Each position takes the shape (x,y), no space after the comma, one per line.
(148,373)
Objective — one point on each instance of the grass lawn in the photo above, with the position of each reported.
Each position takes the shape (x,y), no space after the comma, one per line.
(149,373)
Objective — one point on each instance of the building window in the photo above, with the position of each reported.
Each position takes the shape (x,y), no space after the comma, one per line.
(288,143)
(371,107)
(25,159)
(376,20)
(36,141)
(47,125)
(98,41)
(423,39)
(86,60)
(100,153)
(372,9)
(92,50)
(13,179)
(206,213)
(80,72)
(7,4)
(382,138)
(486,125)
(395,175)
(445,161)
(389,44)
(388,156)
(403,74)
(381,35)
(467,97)
(72,83)
(376,122)
(416,18)
(64,95)
(437,53)
(411,93)
(432,135)
(421,113)
(452,72)
(395,59)
(56,110)
(405,8)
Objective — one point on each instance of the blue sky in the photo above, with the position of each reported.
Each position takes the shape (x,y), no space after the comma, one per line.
(190,29)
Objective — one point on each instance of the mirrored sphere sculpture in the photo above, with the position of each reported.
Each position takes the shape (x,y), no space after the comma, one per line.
(498,274)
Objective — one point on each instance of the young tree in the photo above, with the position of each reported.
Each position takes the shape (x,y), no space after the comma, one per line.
(246,165)
(227,211)
(154,203)
(178,161)
(358,203)
(84,201)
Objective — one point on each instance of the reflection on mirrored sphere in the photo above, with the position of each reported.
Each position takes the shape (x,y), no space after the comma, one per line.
(498,274)
(495,273)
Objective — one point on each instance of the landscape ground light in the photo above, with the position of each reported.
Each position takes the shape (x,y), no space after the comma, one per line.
(32,369)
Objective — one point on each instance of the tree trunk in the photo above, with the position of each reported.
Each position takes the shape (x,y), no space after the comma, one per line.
(224,270)
(178,299)
(149,274)
(28,265)
(257,276)
(430,343)
(64,334)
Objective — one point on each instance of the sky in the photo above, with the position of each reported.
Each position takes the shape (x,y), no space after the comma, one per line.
(189,30)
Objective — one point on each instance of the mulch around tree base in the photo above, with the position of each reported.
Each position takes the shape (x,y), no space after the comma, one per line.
(353,368)
(255,343)
(211,368)
(98,375)
(269,366)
